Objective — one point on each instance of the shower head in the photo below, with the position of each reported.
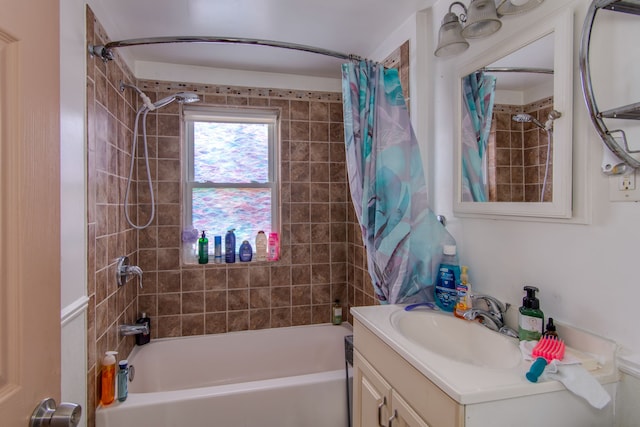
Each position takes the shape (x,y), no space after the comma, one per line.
(181,97)
(527,118)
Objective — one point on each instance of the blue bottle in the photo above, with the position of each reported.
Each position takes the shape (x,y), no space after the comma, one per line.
(123,376)
(447,279)
(230,246)
(246,252)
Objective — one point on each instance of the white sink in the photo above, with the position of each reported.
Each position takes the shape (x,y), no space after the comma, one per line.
(457,339)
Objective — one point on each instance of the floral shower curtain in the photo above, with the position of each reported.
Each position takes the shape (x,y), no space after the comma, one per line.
(402,236)
(478,91)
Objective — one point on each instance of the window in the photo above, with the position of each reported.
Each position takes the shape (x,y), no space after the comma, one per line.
(232,172)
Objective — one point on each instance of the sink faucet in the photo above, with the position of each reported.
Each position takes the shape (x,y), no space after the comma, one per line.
(493,317)
(126,330)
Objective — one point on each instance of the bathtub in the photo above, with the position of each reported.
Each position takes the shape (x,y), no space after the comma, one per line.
(284,377)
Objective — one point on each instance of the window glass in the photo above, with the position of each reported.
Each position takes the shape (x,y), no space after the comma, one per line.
(231,178)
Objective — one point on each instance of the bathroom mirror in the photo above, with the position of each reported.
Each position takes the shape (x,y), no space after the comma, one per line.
(524,165)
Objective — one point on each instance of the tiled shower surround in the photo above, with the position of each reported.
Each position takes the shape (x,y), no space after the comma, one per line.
(322,254)
(517,154)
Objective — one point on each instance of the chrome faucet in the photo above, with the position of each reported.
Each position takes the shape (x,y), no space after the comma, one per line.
(493,317)
(124,271)
(126,330)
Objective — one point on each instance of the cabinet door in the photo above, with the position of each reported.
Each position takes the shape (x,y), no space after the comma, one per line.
(371,395)
(402,415)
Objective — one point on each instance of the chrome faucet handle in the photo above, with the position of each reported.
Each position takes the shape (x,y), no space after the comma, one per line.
(124,271)
(495,306)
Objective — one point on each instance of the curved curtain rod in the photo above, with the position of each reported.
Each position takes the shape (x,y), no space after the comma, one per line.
(105,51)
(517,70)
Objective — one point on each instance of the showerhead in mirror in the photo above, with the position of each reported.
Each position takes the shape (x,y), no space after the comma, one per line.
(527,118)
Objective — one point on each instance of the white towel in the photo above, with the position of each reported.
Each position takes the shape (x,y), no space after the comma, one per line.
(578,381)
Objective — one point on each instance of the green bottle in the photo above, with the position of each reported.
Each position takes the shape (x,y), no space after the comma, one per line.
(203,249)
(531,318)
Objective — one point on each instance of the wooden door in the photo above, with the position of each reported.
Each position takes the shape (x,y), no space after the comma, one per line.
(29,207)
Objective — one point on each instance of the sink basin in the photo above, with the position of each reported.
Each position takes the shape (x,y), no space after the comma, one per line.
(457,339)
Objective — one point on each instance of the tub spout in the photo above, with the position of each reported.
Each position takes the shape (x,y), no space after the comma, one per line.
(126,330)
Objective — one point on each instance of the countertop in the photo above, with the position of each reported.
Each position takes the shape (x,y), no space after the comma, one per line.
(470,384)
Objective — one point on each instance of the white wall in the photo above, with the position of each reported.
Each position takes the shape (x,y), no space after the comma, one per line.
(72,198)
(586,272)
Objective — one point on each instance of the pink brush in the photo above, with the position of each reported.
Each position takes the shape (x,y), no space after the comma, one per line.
(548,348)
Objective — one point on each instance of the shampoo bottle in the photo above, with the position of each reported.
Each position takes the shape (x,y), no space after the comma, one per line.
(123,376)
(108,378)
(203,249)
(261,246)
(274,247)
(336,313)
(464,294)
(447,279)
(246,252)
(142,339)
(230,246)
(217,249)
(531,318)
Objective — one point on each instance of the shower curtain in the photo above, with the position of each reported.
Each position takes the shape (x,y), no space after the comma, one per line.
(478,91)
(402,236)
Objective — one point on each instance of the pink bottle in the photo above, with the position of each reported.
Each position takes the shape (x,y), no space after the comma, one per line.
(273,247)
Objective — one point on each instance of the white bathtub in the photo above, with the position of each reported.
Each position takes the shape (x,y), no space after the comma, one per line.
(284,377)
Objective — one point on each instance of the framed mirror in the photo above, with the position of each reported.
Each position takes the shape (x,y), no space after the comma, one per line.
(514,125)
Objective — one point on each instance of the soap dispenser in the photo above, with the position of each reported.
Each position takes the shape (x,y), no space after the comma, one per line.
(531,318)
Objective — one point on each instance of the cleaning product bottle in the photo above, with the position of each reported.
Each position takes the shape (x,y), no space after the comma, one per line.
(123,377)
(142,339)
(464,294)
(447,279)
(230,246)
(246,252)
(336,313)
(261,246)
(273,247)
(531,318)
(108,378)
(203,249)
(217,249)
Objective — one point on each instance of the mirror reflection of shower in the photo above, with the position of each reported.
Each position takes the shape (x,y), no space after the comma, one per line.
(548,128)
(147,106)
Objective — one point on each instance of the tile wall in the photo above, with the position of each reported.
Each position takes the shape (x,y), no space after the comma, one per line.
(518,153)
(319,246)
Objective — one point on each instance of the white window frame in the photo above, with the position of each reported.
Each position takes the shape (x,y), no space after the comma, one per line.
(270,117)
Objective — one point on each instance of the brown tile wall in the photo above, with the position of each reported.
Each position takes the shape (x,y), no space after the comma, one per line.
(517,154)
(109,132)
(296,290)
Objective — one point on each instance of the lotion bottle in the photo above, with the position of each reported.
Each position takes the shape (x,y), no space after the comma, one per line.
(336,313)
(108,378)
(261,246)
(531,318)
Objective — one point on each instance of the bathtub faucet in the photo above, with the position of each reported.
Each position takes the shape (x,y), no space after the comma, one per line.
(124,271)
(134,329)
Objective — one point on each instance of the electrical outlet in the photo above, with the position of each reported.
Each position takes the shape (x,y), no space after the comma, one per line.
(623,188)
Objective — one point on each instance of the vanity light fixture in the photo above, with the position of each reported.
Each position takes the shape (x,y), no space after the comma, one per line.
(514,7)
(450,39)
(481,19)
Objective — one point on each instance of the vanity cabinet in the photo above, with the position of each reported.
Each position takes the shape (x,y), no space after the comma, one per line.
(389,392)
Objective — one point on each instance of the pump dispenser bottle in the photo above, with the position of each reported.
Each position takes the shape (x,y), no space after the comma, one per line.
(108,378)
(531,318)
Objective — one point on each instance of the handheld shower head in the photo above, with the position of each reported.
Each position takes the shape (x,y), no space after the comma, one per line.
(181,97)
(527,118)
